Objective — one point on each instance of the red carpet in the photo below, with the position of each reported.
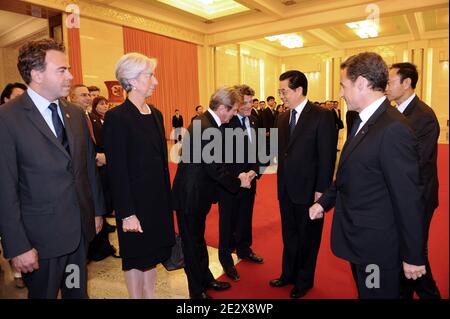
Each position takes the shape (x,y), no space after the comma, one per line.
(333,275)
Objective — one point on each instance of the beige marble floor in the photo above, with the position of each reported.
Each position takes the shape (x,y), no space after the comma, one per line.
(106,281)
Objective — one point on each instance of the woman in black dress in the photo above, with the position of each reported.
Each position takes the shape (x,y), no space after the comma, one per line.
(136,153)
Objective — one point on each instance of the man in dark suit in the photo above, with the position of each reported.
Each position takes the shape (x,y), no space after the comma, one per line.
(256,111)
(236,210)
(50,190)
(198,111)
(402,82)
(336,116)
(177,124)
(379,209)
(199,176)
(306,158)
(267,121)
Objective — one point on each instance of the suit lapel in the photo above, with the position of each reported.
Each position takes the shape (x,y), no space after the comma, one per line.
(68,123)
(211,119)
(351,146)
(254,131)
(410,108)
(300,124)
(38,121)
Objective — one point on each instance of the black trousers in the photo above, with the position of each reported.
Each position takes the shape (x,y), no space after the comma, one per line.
(388,281)
(301,243)
(425,286)
(235,224)
(67,273)
(196,259)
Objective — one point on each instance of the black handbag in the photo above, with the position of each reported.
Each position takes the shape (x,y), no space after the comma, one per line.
(176,260)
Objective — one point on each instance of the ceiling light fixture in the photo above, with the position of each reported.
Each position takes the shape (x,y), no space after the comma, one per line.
(364,29)
(207,2)
(290,41)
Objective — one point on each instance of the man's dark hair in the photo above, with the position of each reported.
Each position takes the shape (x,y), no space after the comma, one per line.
(93,88)
(370,66)
(407,70)
(255,100)
(296,79)
(32,56)
(177,110)
(9,88)
(270,97)
(76,86)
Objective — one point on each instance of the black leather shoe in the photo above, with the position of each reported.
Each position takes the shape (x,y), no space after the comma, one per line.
(232,273)
(299,293)
(203,295)
(252,257)
(218,285)
(278,283)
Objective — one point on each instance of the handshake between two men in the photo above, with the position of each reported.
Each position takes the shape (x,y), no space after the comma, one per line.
(246,178)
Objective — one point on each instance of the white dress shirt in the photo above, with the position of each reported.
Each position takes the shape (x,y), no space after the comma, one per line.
(402,107)
(368,111)
(299,108)
(42,105)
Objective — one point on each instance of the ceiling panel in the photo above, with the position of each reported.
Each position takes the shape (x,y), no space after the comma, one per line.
(10,19)
(389,26)
(308,41)
(207,9)
(435,19)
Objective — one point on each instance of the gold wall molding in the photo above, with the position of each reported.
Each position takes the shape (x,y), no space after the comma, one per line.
(120,17)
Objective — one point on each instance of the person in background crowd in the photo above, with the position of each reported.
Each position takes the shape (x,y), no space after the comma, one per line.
(101,247)
(177,124)
(198,111)
(94,91)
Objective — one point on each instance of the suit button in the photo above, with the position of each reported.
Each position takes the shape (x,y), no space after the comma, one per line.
(285,154)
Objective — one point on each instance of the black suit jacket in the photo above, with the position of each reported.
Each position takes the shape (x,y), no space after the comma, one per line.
(337,120)
(426,127)
(378,198)
(177,121)
(306,160)
(267,119)
(97,127)
(242,160)
(48,197)
(196,184)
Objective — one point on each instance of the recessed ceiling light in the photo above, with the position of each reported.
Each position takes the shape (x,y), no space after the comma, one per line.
(290,40)
(364,29)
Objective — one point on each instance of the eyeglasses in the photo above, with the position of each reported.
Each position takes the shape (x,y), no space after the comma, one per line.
(283,92)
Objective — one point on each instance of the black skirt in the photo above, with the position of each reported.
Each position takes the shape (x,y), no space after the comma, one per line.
(146,262)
